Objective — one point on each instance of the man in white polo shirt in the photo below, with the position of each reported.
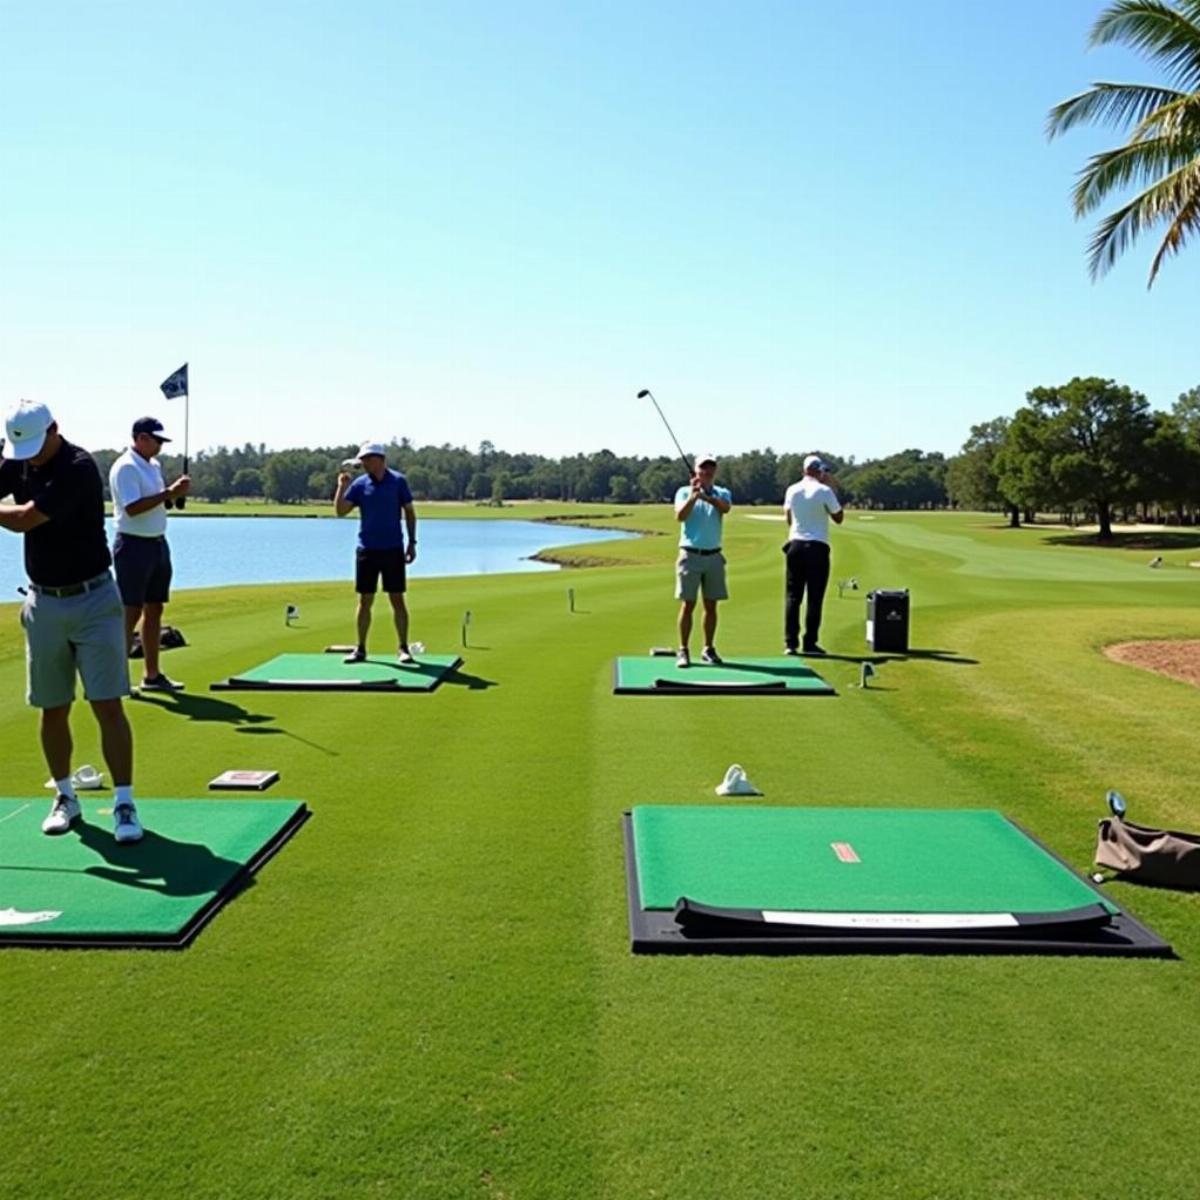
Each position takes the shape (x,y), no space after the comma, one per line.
(807,507)
(141,555)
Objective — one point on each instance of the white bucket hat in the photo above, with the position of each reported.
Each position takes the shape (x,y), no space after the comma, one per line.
(735,783)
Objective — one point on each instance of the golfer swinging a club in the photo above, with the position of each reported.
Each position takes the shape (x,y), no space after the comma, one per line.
(700,570)
(380,494)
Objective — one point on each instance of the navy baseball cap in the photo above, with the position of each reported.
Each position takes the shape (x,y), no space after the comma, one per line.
(151,425)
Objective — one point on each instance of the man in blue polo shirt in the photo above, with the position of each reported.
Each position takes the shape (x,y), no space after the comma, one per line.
(699,509)
(380,495)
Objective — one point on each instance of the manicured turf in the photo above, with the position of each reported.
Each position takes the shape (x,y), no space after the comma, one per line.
(430,993)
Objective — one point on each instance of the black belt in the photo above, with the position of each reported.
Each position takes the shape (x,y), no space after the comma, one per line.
(691,550)
(72,589)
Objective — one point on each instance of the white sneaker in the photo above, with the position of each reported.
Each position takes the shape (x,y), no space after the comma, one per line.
(126,826)
(404,656)
(64,811)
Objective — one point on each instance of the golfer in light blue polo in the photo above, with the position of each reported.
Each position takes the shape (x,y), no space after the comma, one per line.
(700,509)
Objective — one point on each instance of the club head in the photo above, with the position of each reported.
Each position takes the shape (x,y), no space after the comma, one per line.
(1116,803)
(643,393)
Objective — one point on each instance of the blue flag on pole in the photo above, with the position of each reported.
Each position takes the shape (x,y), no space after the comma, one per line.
(176,385)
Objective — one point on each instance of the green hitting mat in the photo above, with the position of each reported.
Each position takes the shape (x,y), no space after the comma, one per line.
(656,675)
(82,888)
(797,880)
(328,673)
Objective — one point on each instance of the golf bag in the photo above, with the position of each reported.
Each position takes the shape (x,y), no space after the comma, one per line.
(171,639)
(1160,857)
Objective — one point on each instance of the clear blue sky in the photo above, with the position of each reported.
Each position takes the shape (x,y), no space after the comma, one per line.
(802,224)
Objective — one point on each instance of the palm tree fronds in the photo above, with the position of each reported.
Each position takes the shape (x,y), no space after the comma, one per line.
(1186,222)
(1166,33)
(1178,119)
(1110,104)
(1134,164)
(1168,199)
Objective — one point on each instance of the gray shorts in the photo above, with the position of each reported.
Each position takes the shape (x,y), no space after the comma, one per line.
(696,573)
(84,634)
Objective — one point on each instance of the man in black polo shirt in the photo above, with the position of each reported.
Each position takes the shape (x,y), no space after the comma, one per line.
(73,619)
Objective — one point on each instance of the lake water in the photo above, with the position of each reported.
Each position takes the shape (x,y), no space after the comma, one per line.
(218,551)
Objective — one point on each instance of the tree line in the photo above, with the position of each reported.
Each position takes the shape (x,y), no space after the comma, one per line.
(486,475)
(1089,449)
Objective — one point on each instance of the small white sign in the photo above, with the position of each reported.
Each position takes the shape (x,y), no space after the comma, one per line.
(255,781)
(886,920)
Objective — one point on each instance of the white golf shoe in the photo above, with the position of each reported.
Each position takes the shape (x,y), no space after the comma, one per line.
(63,813)
(126,826)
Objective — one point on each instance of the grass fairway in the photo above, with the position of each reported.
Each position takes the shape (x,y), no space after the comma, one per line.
(429,993)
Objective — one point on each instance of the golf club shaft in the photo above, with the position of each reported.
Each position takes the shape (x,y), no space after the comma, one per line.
(690,469)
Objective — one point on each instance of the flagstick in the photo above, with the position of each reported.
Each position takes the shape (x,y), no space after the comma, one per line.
(186,415)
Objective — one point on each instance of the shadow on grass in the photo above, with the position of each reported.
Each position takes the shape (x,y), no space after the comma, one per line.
(263,730)
(475,683)
(883,656)
(1142,539)
(944,656)
(196,707)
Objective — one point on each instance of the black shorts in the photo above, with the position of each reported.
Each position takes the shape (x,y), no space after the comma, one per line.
(143,567)
(371,566)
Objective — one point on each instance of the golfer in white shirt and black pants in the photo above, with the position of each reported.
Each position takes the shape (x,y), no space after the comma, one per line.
(141,555)
(807,507)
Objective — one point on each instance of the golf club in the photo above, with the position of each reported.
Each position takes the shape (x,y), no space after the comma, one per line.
(691,470)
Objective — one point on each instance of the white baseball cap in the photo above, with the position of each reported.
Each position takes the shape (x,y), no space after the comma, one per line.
(706,458)
(372,448)
(26,426)
(815,460)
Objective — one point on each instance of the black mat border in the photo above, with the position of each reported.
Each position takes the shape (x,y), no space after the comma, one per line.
(653,931)
(234,684)
(700,690)
(184,936)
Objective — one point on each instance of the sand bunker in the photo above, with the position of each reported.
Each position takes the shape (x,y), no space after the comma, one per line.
(1179,660)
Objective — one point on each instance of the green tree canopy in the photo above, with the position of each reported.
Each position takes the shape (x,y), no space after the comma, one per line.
(972,480)
(1082,441)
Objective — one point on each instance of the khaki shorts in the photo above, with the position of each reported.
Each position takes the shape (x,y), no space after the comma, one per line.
(75,634)
(697,573)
